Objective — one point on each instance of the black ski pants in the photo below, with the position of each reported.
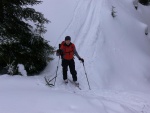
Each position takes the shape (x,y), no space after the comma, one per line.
(71,64)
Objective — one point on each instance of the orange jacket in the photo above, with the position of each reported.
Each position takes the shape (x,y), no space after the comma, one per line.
(68,50)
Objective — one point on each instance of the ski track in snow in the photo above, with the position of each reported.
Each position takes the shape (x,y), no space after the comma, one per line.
(108,100)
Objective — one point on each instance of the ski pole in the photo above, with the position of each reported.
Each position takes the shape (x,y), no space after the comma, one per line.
(86,77)
(56,70)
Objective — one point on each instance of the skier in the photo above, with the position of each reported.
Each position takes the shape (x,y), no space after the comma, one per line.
(67,51)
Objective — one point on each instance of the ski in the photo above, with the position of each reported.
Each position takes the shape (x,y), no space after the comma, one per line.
(66,83)
(50,85)
(76,85)
(48,82)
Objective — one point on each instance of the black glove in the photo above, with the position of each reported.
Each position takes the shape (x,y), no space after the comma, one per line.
(81,59)
(59,51)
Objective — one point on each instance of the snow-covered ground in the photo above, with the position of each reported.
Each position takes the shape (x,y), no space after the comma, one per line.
(30,95)
(117,61)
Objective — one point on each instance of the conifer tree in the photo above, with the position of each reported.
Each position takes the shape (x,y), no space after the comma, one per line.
(21,42)
(144,2)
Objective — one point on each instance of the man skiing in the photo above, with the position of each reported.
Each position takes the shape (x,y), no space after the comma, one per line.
(67,51)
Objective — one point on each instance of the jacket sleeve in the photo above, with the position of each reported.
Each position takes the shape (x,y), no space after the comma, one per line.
(76,53)
(60,48)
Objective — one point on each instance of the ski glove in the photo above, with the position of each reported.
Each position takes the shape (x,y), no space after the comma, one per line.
(81,59)
(59,51)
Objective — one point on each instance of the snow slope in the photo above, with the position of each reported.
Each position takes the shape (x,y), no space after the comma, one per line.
(60,13)
(117,60)
(115,49)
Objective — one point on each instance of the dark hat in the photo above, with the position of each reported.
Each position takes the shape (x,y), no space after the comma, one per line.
(67,38)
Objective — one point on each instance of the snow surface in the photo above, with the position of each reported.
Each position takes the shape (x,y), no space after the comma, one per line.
(117,61)
(22,70)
